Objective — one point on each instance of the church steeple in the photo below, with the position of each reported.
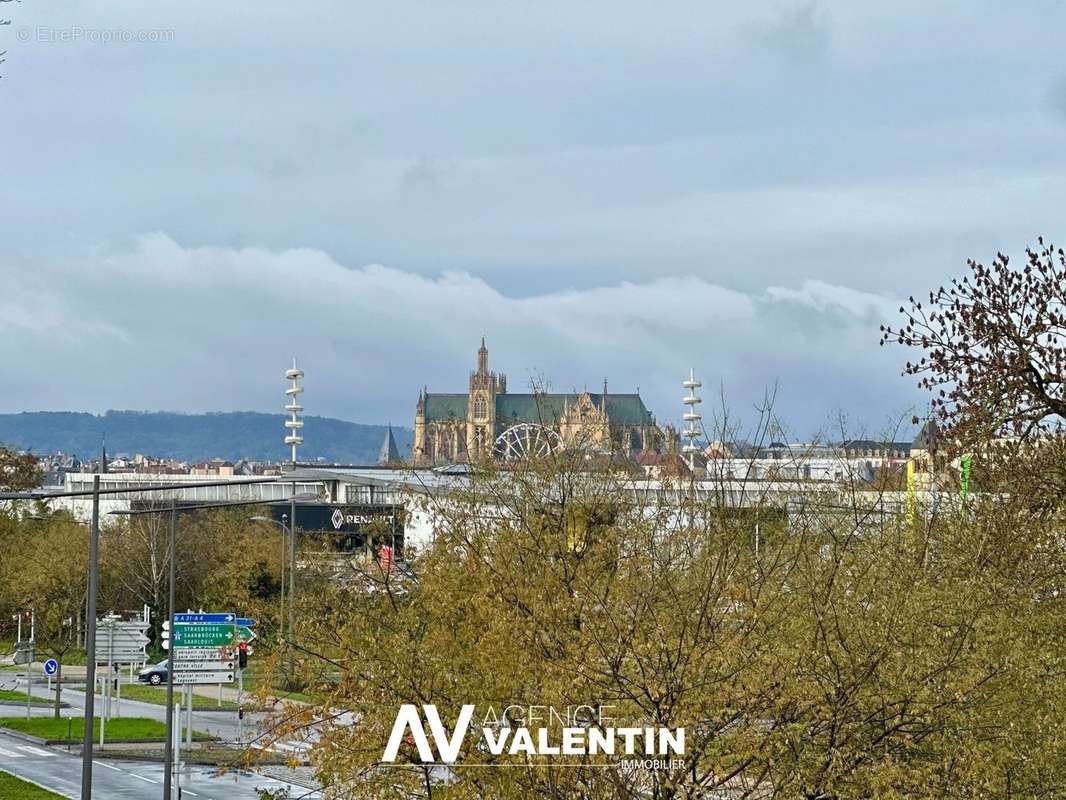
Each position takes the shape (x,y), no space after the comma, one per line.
(483,358)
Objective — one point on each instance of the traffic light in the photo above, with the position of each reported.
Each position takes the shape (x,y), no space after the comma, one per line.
(242,655)
(240,712)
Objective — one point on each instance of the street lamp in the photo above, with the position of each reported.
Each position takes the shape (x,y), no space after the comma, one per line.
(90,642)
(691,418)
(294,424)
(90,612)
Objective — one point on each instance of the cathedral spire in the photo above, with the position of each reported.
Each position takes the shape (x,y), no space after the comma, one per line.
(389,453)
(483,358)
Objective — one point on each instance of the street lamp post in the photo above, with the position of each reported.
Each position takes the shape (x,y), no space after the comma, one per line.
(168,757)
(294,424)
(692,418)
(90,647)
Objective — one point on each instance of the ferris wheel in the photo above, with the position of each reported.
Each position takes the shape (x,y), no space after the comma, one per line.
(526,440)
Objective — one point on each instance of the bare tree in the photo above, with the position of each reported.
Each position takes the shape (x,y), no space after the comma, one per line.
(994,347)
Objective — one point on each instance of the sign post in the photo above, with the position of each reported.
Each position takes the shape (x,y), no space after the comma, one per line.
(177,746)
(240,705)
(51,667)
(29,682)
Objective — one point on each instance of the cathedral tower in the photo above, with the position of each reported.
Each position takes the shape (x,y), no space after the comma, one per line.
(481,406)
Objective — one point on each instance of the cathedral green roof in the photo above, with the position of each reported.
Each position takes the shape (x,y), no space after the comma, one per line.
(445,406)
(622,409)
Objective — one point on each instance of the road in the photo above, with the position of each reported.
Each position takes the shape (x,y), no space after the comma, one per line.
(222,724)
(116,779)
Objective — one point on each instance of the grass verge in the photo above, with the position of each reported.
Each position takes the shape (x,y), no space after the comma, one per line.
(7,694)
(158,696)
(70,729)
(12,788)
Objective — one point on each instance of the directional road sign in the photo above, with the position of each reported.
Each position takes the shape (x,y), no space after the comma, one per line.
(24,652)
(120,642)
(196,666)
(245,634)
(220,618)
(120,639)
(210,635)
(116,636)
(221,676)
(203,653)
(51,667)
(245,622)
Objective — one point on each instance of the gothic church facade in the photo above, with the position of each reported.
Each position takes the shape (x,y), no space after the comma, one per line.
(463,427)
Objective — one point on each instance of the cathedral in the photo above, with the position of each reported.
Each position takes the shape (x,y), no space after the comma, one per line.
(480,422)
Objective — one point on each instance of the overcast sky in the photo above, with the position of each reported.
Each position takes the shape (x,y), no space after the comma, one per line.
(602,189)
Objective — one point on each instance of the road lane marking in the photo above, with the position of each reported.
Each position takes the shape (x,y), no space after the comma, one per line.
(102,764)
(142,778)
(9,753)
(35,750)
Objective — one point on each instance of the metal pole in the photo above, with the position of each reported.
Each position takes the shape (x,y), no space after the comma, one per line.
(110,667)
(188,716)
(168,756)
(105,694)
(90,648)
(177,765)
(284,555)
(29,684)
(292,573)
(240,702)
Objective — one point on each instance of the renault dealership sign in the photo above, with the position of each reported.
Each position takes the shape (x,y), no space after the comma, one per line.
(357,519)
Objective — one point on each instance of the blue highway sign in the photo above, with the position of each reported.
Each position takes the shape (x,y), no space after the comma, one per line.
(216,618)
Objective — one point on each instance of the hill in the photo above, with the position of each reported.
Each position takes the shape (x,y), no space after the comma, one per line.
(195,437)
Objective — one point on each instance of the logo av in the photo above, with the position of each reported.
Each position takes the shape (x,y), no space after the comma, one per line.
(408,717)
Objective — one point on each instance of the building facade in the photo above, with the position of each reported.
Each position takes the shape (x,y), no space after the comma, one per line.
(465,427)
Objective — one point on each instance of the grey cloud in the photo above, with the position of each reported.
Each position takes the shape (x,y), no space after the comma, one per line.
(421,177)
(559,160)
(799,35)
(1056,97)
(369,337)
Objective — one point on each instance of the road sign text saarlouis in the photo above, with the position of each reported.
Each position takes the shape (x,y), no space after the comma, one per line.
(202,635)
(204,647)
